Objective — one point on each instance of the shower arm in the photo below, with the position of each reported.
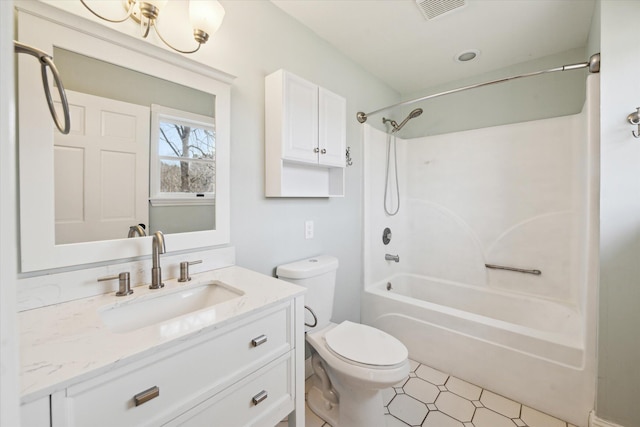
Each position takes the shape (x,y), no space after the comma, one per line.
(593,65)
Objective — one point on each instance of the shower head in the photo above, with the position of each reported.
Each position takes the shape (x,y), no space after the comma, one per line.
(415,113)
(412,115)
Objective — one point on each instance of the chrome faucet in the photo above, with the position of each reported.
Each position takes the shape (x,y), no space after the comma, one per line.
(158,247)
(390,257)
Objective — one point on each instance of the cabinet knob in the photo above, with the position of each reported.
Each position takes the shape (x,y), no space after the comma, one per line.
(259,397)
(323,151)
(315,150)
(259,340)
(147,395)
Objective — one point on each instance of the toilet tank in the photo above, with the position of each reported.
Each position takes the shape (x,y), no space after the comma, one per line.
(318,275)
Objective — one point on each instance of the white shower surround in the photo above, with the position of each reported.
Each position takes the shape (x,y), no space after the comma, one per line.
(522,195)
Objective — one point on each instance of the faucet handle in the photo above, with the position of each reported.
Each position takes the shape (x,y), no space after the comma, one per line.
(184,270)
(124,283)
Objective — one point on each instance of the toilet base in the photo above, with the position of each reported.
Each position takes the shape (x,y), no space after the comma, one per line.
(356,407)
(322,407)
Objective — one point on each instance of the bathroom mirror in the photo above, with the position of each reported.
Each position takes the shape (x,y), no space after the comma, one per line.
(192,89)
(113,112)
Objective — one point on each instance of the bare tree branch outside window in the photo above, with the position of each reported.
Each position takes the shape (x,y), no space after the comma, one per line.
(187,159)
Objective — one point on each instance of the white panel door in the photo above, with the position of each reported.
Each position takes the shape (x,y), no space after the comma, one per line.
(332,131)
(101,170)
(300,133)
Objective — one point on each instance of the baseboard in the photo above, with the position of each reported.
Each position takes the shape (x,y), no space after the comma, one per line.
(594,421)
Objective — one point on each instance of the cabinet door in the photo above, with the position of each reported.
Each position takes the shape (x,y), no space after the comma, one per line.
(332,128)
(36,413)
(300,120)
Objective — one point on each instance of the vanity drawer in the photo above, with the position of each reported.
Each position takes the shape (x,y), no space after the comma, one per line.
(262,399)
(184,376)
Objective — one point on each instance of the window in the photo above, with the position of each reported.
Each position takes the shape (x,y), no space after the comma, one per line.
(183,157)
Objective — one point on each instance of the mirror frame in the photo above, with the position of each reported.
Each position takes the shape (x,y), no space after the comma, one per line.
(44,27)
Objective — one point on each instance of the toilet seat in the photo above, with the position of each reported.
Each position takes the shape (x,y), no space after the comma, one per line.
(348,371)
(365,345)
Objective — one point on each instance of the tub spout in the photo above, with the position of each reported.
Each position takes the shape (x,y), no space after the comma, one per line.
(390,257)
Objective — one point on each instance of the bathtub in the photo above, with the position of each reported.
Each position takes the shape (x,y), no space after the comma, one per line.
(527,348)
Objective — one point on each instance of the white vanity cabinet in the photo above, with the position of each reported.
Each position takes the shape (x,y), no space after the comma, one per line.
(240,375)
(305,138)
(239,363)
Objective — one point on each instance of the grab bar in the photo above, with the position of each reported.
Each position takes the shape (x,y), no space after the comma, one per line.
(519,270)
(46,60)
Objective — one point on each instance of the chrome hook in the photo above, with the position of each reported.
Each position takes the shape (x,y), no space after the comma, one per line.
(634,119)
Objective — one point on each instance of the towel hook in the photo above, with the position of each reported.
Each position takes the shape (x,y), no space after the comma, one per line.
(46,60)
(634,119)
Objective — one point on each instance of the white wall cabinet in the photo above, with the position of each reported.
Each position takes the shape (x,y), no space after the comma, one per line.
(305,138)
(243,374)
(332,128)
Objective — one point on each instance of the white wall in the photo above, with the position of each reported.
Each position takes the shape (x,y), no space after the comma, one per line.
(8,323)
(619,325)
(268,232)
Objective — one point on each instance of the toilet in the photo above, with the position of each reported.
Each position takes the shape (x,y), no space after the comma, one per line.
(352,363)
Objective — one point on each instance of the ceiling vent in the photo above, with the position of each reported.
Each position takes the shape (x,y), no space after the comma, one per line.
(433,8)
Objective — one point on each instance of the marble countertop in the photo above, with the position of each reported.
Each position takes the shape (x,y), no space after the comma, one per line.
(67,343)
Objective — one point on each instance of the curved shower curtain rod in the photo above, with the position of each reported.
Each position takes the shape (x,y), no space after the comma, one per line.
(593,65)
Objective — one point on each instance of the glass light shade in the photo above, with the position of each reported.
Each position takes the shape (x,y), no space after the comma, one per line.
(206,15)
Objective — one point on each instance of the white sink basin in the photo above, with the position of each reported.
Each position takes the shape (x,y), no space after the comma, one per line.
(153,309)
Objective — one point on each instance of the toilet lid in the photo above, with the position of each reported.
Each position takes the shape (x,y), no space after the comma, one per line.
(366,345)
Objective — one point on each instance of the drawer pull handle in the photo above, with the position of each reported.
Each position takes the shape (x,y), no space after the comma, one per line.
(259,340)
(146,395)
(259,397)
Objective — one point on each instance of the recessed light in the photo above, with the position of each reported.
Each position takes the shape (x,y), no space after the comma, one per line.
(467,55)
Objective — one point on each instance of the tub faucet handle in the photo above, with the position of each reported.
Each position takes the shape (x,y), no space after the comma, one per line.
(390,257)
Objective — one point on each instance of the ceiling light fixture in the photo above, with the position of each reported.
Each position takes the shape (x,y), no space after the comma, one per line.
(467,55)
(205,15)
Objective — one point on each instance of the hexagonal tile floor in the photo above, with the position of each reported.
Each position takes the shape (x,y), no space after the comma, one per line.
(429,398)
